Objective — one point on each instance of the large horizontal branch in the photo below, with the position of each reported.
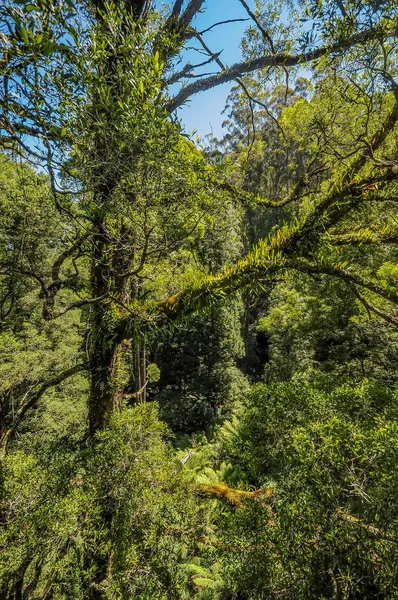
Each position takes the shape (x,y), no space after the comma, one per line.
(272,60)
(31,399)
(297,240)
(292,242)
(275,253)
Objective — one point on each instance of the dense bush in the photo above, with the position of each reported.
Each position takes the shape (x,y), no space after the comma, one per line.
(115,516)
(330,528)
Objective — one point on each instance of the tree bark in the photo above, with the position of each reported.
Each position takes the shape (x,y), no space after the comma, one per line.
(107,350)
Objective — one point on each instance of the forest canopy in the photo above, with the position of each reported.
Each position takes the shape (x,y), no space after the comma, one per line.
(198,338)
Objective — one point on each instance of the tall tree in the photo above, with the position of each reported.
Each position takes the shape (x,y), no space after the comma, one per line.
(85,94)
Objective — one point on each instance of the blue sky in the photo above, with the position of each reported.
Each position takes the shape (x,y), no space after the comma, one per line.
(203,111)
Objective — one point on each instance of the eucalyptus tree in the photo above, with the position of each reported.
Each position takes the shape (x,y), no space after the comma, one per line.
(87,93)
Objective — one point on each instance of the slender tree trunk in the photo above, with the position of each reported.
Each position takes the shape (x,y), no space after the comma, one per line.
(2,418)
(138,374)
(249,240)
(246,332)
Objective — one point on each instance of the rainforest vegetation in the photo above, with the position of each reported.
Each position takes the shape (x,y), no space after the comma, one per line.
(198,338)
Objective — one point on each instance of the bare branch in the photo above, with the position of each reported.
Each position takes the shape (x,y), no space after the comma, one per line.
(186,70)
(220,23)
(79,304)
(264,33)
(67,254)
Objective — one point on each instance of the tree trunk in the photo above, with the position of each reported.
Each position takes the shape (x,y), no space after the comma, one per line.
(107,350)
(246,332)
(138,374)
(113,251)
(106,389)
(2,418)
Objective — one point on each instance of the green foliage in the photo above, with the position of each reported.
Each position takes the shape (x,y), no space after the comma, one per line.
(331,526)
(33,348)
(320,326)
(153,372)
(199,380)
(131,255)
(115,517)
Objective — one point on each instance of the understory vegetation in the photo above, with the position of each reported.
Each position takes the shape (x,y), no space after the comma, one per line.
(198,338)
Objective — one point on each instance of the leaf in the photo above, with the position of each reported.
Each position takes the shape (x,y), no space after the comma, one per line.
(48,47)
(197,570)
(204,582)
(25,35)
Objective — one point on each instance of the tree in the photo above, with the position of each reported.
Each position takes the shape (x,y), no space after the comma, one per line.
(85,94)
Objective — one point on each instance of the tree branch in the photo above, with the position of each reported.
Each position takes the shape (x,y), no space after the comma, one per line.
(191,10)
(389,293)
(272,60)
(372,308)
(274,253)
(366,526)
(264,33)
(177,8)
(367,236)
(79,304)
(65,255)
(220,23)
